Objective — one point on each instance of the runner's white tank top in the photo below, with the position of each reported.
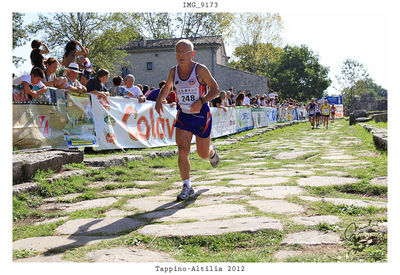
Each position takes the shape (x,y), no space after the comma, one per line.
(188,90)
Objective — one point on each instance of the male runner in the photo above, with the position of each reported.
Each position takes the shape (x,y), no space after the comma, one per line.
(311,112)
(194,88)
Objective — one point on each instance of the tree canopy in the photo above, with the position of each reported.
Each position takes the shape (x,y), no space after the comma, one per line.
(298,74)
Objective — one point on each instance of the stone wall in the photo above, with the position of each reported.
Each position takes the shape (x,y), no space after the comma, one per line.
(368,104)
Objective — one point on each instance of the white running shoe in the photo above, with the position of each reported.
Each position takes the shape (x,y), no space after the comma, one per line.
(214,160)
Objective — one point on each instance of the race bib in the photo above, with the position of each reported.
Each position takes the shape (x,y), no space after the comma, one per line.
(186,97)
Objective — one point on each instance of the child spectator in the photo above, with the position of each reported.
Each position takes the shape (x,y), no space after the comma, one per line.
(32,83)
(71,52)
(86,66)
(50,78)
(36,56)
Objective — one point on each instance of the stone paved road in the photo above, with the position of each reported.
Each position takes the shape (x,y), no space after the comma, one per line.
(268,184)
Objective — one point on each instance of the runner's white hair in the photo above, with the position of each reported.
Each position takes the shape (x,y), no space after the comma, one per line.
(187,42)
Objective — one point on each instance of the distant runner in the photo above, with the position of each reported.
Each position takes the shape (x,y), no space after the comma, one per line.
(333,111)
(325,109)
(311,112)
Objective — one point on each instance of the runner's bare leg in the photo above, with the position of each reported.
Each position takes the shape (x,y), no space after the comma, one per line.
(183,139)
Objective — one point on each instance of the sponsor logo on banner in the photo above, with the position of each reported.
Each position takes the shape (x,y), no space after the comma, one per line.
(43,122)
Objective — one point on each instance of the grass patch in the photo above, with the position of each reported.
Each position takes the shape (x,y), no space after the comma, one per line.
(24,253)
(351,188)
(29,231)
(326,208)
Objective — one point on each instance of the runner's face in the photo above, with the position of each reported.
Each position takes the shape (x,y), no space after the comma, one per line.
(183,53)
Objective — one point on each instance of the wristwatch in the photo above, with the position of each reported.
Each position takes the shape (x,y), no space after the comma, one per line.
(202,100)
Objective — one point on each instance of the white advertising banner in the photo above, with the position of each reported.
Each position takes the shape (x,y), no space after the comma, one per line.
(125,123)
(263,116)
(223,122)
(244,119)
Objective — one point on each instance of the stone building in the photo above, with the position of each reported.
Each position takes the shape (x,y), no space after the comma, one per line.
(150,61)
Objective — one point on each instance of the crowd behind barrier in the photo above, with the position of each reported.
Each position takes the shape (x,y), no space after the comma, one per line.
(63,119)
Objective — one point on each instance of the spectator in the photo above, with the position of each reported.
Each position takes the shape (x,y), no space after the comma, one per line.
(119,90)
(246,100)
(135,91)
(230,99)
(36,56)
(262,102)
(32,84)
(140,87)
(50,78)
(217,102)
(96,84)
(146,90)
(224,100)
(171,98)
(71,52)
(73,85)
(86,66)
(239,99)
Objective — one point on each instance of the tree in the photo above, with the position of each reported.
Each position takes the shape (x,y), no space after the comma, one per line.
(256,28)
(103,34)
(204,24)
(19,35)
(257,39)
(255,58)
(351,72)
(298,74)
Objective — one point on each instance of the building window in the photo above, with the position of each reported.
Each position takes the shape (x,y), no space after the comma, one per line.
(149,66)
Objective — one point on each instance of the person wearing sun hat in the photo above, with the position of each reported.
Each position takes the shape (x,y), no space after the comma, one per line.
(73,84)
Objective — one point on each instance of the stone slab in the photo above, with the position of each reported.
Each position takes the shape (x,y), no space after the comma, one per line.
(144,183)
(277,206)
(125,191)
(380,181)
(349,202)
(233,175)
(260,181)
(246,224)
(104,225)
(277,192)
(338,157)
(284,254)
(198,213)
(42,244)
(290,155)
(325,181)
(285,173)
(248,164)
(220,199)
(155,203)
(217,190)
(129,255)
(64,197)
(90,204)
(311,238)
(315,220)
(118,213)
